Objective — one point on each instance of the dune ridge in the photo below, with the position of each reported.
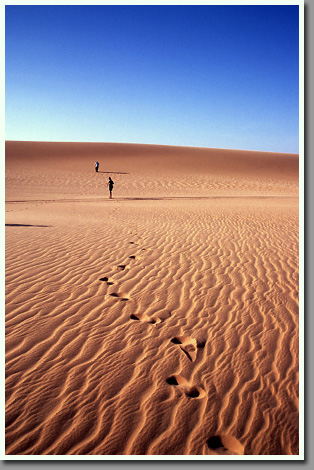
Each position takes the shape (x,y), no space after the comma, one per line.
(162,322)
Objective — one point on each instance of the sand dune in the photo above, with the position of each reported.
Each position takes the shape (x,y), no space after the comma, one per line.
(161,322)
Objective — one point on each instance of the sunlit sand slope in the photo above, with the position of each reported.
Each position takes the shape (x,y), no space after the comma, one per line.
(162,322)
(60,169)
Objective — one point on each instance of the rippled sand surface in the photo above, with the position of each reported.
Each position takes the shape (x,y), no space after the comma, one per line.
(161,322)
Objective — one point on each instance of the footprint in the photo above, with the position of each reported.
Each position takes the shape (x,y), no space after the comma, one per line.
(142,317)
(188,345)
(121,267)
(119,295)
(201,343)
(132,257)
(195,392)
(107,280)
(159,318)
(176,380)
(185,387)
(225,444)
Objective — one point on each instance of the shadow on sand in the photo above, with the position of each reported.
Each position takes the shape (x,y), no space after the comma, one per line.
(25,225)
(113,172)
(196,198)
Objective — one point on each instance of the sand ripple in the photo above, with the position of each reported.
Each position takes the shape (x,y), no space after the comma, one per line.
(195,337)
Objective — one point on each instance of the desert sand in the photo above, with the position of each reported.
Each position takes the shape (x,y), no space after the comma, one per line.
(161,322)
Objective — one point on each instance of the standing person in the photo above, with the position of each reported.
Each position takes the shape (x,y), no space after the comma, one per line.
(96,167)
(110,184)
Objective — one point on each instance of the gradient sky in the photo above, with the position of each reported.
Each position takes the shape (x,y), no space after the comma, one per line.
(205,76)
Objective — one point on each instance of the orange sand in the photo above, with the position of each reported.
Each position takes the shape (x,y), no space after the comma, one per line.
(161,322)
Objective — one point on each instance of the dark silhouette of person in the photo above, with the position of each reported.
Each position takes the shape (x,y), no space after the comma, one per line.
(96,167)
(110,184)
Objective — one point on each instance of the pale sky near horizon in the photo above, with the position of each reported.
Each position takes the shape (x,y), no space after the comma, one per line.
(204,76)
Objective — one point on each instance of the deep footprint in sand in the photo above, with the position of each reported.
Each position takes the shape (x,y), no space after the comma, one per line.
(142,317)
(121,267)
(224,444)
(107,280)
(190,391)
(189,346)
(120,296)
(176,380)
(160,317)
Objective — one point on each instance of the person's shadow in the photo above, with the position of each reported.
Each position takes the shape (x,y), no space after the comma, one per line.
(113,172)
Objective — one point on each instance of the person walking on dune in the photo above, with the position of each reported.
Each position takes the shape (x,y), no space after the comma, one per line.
(96,167)
(110,184)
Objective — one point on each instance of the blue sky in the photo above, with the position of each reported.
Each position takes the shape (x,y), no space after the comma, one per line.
(205,76)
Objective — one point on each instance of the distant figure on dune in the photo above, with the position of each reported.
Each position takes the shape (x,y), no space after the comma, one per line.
(96,167)
(110,184)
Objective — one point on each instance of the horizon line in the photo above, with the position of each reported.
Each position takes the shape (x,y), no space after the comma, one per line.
(153,145)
